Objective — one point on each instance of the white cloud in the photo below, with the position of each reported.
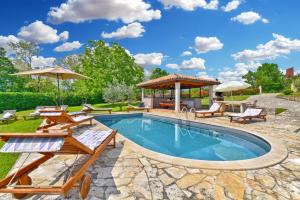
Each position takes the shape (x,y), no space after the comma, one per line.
(186,53)
(41,33)
(203,75)
(172,66)
(133,30)
(212,5)
(249,18)
(238,72)
(64,36)
(5,40)
(279,46)
(68,46)
(150,59)
(41,62)
(77,11)
(206,44)
(232,5)
(190,5)
(193,63)
(147,73)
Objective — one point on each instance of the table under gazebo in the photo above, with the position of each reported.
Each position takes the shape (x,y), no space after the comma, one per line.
(175,83)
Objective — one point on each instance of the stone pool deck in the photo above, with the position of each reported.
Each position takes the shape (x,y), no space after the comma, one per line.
(123,173)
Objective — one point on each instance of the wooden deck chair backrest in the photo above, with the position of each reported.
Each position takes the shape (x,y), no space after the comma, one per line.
(215,107)
(253,111)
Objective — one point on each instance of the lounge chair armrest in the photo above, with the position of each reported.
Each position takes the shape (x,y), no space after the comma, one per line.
(27,135)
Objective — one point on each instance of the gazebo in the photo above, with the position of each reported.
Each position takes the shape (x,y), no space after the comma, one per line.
(175,83)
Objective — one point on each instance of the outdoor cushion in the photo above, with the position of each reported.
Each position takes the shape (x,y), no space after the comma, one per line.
(7,115)
(51,114)
(214,107)
(80,118)
(93,138)
(252,111)
(28,145)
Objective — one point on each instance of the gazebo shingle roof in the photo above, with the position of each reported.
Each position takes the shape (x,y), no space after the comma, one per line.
(167,82)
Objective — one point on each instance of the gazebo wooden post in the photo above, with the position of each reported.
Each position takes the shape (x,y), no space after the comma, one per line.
(143,95)
(163,93)
(177,96)
(190,93)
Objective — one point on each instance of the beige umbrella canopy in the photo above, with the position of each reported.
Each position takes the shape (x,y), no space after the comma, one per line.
(57,72)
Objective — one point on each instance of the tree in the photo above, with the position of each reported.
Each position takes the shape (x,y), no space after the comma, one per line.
(104,64)
(158,72)
(8,82)
(268,76)
(24,51)
(118,93)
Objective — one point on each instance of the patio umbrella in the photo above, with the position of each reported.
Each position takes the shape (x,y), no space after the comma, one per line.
(232,86)
(57,72)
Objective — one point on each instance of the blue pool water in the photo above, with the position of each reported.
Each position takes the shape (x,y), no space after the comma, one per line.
(187,139)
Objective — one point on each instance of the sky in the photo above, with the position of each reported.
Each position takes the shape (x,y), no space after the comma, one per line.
(223,39)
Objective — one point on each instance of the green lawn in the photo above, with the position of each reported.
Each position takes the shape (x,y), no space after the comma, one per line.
(229,98)
(28,126)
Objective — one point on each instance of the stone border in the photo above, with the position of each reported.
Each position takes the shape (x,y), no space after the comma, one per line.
(277,154)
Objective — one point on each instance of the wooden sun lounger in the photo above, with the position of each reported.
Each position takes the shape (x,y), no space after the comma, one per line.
(136,108)
(214,109)
(63,119)
(19,184)
(89,108)
(12,116)
(249,114)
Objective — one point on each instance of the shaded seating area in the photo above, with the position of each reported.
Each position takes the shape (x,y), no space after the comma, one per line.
(249,114)
(91,142)
(88,108)
(8,115)
(63,119)
(174,84)
(140,107)
(215,108)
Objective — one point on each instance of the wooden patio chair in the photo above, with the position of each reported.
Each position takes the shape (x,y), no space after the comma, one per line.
(249,114)
(89,108)
(63,119)
(215,108)
(91,142)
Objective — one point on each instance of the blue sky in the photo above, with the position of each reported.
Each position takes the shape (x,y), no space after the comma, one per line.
(220,37)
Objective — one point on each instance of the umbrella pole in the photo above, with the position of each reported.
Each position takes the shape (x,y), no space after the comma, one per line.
(232,104)
(58,90)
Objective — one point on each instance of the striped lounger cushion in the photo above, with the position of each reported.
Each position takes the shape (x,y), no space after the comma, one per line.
(93,138)
(29,145)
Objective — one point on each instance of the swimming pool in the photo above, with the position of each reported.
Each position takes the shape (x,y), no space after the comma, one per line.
(187,139)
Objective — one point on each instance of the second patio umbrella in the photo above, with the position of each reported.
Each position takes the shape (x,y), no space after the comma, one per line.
(232,86)
(57,72)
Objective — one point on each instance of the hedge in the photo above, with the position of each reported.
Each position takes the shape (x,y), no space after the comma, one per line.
(29,100)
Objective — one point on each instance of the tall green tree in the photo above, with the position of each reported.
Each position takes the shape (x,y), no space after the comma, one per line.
(24,52)
(8,83)
(268,76)
(158,72)
(105,64)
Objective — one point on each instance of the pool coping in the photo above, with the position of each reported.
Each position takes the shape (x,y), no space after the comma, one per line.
(277,154)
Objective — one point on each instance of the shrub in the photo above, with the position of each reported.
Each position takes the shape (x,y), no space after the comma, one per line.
(287,91)
(29,100)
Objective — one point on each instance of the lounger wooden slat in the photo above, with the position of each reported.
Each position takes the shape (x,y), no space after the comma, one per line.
(62,120)
(72,145)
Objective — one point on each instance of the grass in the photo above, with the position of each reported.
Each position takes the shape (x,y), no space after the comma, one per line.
(205,100)
(279,110)
(30,125)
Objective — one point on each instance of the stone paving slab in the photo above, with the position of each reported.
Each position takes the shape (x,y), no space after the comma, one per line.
(123,173)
